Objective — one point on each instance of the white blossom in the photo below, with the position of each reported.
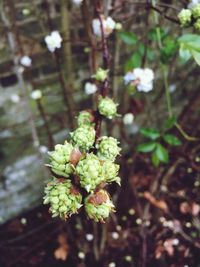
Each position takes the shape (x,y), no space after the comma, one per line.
(108,26)
(89,237)
(115,235)
(112,264)
(43,149)
(128,118)
(15,98)
(26,61)
(77,2)
(90,88)
(193,3)
(36,94)
(175,242)
(81,255)
(53,41)
(141,78)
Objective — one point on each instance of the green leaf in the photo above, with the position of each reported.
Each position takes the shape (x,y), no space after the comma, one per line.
(184,54)
(147,147)
(161,153)
(196,56)
(169,123)
(154,159)
(150,133)
(190,41)
(133,62)
(171,139)
(128,37)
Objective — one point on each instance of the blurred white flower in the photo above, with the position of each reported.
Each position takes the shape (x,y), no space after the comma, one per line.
(139,221)
(23,221)
(115,235)
(128,118)
(36,94)
(43,149)
(15,98)
(90,88)
(89,237)
(81,255)
(172,88)
(108,26)
(77,2)
(141,78)
(128,258)
(53,41)
(193,3)
(131,211)
(112,264)
(26,61)
(175,242)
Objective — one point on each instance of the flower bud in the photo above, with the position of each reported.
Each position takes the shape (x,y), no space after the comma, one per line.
(196,11)
(63,197)
(185,17)
(60,159)
(98,206)
(107,107)
(89,170)
(83,137)
(110,172)
(100,75)
(108,148)
(85,118)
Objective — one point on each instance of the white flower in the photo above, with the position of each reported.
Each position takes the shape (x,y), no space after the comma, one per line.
(77,2)
(115,235)
(15,98)
(53,41)
(193,3)
(112,264)
(26,61)
(141,78)
(36,94)
(128,258)
(128,118)
(129,77)
(108,26)
(81,255)
(43,149)
(175,242)
(90,88)
(89,237)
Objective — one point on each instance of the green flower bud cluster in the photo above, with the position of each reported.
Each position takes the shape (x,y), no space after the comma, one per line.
(83,137)
(101,75)
(98,206)
(107,107)
(63,197)
(85,118)
(190,17)
(108,148)
(60,159)
(84,165)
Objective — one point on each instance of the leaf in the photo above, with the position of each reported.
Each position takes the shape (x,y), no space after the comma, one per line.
(150,133)
(161,204)
(162,153)
(133,62)
(128,37)
(172,139)
(196,56)
(184,54)
(190,41)
(154,159)
(147,147)
(169,123)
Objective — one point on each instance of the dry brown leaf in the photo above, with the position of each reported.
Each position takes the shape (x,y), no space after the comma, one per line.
(61,253)
(161,204)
